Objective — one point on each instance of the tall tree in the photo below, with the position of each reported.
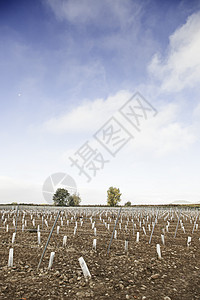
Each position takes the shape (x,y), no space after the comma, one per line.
(74,200)
(60,198)
(127,203)
(113,196)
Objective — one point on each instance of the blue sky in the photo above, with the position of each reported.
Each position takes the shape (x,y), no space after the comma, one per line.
(68,66)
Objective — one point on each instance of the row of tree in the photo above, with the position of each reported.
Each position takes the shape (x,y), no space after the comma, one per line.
(63,198)
(114,197)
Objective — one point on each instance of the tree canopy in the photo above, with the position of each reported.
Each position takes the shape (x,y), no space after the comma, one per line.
(63,198)
(60,197)
(113,196)
(74,200)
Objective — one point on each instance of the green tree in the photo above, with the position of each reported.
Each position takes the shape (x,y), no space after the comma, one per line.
(60,198)
(113,196)
(74,200)
(127,203)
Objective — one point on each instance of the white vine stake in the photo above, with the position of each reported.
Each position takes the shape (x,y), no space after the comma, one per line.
(7,228)
(64,241)
(51,260)
(115,236)
(163,238)
(58,228)
(75,230)
(10,258)
(137,237)
(158,251)
(13,237)
(189,241)
(39,239)
(84,268)
(94,246)
(144,230)
(95,231)
(126,246)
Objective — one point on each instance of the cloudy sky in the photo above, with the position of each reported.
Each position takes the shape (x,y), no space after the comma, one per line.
(68,67)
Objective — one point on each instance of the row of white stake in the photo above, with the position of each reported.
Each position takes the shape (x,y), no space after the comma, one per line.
(82,262)
(24,223)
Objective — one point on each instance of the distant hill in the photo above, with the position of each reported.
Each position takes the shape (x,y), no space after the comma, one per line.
(182,202)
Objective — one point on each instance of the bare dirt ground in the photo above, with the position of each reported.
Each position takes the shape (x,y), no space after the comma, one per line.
(136,274)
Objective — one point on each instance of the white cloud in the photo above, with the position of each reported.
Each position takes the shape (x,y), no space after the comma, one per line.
(74,10)
(166,133)
(109,49)
(181,67)
(79,11)
(87,116)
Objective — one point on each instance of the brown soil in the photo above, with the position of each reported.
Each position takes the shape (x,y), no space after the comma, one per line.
(138,274)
